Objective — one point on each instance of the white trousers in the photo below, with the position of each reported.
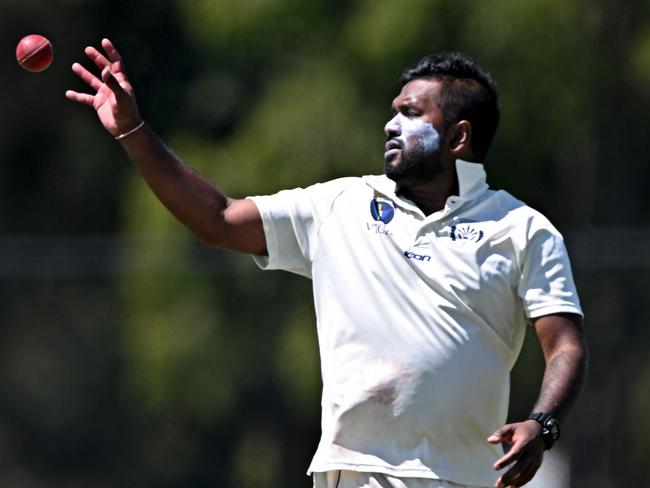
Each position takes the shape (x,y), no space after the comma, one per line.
(352,479)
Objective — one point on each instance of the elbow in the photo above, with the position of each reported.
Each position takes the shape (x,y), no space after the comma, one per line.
(213,231)
(209,240)
(211,236)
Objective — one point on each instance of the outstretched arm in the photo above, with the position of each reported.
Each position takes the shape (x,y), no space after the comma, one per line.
(565,353)
(216,219)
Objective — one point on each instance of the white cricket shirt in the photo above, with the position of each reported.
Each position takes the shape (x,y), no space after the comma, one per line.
(420,318)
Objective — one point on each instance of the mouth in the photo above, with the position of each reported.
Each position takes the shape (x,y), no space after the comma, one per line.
(392,148)
(392,144)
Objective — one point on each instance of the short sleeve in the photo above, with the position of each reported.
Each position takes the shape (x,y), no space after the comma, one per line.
(291,220)
(546,285)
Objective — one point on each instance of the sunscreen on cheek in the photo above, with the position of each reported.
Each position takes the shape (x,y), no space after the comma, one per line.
(422,134)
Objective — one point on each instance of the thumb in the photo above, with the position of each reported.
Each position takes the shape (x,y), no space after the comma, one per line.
(504,434)
(109,79)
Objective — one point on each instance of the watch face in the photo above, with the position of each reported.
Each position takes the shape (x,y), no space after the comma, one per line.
(552,428)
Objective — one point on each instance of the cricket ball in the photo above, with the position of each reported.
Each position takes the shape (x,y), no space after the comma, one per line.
(34,53)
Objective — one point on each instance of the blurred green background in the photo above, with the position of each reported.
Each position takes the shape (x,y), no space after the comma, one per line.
(131,355)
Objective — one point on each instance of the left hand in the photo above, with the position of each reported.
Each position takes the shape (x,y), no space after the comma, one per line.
(526,451)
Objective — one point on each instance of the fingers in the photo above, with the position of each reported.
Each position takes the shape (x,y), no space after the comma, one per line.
(504,434)
(526,452)
(112,83)
(520,474)
(517,476)
(80,97)
(90,79)
(95,83)
(112,53)
(87,76)
(512,455)
(112,56)
(96,57)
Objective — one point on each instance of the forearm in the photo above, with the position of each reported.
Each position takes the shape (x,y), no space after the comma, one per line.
(566,364)
(195,201)
(191,198)
(563,379)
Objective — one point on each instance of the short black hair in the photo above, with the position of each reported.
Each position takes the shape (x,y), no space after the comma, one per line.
(468,93)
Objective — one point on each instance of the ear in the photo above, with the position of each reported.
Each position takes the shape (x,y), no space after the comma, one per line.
(460,142)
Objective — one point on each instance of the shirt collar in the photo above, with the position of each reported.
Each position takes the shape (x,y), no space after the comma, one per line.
(471,179)
(471,183)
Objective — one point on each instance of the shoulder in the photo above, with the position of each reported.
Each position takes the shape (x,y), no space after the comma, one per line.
(520,215)
(336,187)
(538,241)
(315,194)
(323,196)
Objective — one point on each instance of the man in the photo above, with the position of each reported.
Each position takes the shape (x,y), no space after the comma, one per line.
(423,281)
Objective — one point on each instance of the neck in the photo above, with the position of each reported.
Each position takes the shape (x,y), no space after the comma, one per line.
(431,196)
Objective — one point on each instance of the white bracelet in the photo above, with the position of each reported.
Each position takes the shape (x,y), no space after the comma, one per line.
(129,132)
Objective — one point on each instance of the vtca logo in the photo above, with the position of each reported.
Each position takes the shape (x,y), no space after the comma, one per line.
(381,211)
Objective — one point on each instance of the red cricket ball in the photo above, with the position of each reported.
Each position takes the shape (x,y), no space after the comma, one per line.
(34,53)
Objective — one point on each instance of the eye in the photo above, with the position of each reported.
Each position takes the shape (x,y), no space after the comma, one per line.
(409,111)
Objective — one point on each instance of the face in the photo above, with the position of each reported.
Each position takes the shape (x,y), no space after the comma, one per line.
(414,136)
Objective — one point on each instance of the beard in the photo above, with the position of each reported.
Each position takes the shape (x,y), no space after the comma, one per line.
(412,168)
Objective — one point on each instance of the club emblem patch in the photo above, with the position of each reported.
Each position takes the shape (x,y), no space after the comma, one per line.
(381,211)
(465,232)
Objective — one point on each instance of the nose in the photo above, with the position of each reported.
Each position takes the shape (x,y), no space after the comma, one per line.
(393,127)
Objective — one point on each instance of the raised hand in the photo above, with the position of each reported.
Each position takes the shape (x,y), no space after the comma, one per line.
(113,100)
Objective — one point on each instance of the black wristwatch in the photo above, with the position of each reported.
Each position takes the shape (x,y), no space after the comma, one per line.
(550,428)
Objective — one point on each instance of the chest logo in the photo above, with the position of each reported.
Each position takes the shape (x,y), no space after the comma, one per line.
(418,257)
(465,232)
(381,210)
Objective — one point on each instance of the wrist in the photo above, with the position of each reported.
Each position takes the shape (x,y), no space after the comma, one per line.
(549,427)
(534,425)
(128,132)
